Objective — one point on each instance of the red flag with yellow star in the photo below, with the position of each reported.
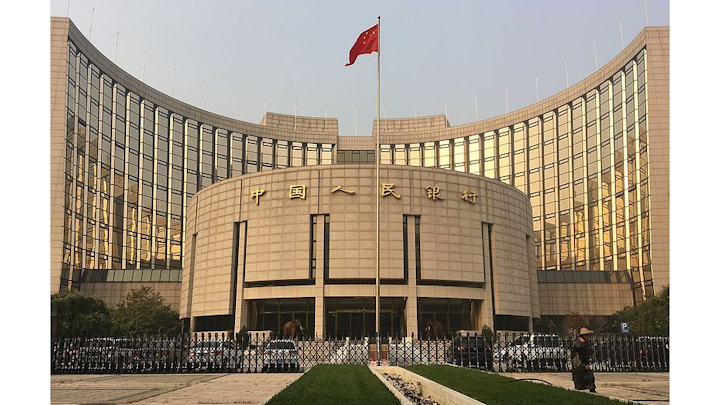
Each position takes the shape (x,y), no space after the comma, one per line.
(367,42)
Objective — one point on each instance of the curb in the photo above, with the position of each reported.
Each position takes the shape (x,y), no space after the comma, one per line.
(403,400)
(448,395)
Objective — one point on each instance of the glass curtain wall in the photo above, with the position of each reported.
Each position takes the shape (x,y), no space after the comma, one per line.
(584,167)
(132,167)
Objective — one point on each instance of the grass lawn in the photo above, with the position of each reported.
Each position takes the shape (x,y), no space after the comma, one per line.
(330,384)
(493,389)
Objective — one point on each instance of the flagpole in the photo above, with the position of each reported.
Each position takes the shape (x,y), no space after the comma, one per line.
(377,197)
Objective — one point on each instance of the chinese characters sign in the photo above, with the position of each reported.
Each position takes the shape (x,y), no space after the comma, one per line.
(297,191)
(389,189)
(432,192)
(256,195)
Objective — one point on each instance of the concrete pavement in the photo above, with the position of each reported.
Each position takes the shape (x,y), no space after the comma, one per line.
(257,388)
(645,388)
(156,389)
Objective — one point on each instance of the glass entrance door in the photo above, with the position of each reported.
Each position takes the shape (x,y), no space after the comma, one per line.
(355,317)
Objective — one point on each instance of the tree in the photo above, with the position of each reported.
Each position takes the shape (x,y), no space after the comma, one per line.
(78,314)
(575,321)
(144,312)
(487,334)
(244,337)
(650,317)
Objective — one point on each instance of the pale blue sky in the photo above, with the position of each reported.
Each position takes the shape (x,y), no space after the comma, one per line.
(292,52)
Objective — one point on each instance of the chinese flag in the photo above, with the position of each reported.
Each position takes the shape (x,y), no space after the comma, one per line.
(367,42)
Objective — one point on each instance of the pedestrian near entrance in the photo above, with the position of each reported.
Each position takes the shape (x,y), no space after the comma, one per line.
(582,375)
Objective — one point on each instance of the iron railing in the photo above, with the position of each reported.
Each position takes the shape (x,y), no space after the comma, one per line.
(227,353)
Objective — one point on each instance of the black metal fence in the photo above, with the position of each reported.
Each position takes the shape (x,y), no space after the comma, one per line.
(227,353)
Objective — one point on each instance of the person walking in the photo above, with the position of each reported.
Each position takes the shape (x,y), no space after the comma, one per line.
(582,375)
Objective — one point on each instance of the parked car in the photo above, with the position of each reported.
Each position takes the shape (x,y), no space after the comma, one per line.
(216,353)
(470,351)
(536,351)
(281,355)
(156,350)
(95,353)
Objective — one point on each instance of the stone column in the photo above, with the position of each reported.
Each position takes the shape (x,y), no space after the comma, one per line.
(241,307)
(411,305)
(486,307)
(319,276)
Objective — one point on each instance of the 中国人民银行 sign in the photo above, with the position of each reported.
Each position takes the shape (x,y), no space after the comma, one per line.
(298,191)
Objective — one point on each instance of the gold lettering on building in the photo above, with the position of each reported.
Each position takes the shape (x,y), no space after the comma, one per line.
(297,191)
(387,189)
(433,193)
(469,196)
(340,188)
(256,195)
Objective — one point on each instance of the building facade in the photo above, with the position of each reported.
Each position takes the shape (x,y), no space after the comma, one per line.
(266,248)
(593,161)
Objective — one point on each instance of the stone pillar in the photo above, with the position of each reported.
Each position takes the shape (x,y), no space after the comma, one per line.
(241,307)
(486,307)
(411,305)
(319,276)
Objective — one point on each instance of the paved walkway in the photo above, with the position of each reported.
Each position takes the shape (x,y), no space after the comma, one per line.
(156,389)
(645,388)
(256,388)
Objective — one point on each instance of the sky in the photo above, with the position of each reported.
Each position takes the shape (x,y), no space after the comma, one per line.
(283,54)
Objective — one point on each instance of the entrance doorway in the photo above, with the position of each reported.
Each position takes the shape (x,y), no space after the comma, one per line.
(271,314)
(453,314)
(355,317)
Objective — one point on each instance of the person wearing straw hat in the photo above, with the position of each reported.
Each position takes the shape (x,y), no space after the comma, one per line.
(582,375)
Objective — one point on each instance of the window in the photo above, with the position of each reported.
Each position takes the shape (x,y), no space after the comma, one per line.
(400,155)
(459,154)
(415,155)
(267,154)
(252,154)
(296,155)
(236,154)
(221,154)
(444,154)
(326,154)
(282,155)
(489,148)
(429,154)
(311,156)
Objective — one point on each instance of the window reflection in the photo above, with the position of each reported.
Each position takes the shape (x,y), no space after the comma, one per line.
(429,154)
(236,154)
(459,154)
(207,160)
(296,159)
(282,155)
(415,155)
(311,155)
(252,154)
(326,154)
(267,154)
(221,154)
(400,155)
(444,155)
